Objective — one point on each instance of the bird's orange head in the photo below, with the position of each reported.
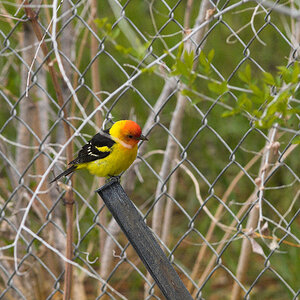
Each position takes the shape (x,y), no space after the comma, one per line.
(128,132)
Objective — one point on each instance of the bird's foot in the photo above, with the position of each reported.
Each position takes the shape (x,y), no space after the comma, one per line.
(110,180)
(113,179)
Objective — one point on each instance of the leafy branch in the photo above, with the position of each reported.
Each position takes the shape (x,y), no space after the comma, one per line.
(267,100)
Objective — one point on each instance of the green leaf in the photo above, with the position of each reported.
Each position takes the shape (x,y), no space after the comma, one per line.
(149,70)
(295,73)
(296,93)
(140,51)
(229,113)
(244,102)
(211,55)
(281,69)
(268,78)
(257,113)
(115,33)
(202,59)
(285,73)
(189,59)
(257,91)
(218,88)
(204,63)
(186,80)
(296,140)
(182,68)
(293,111)
(123,50)
(108,28)
(245,75)
(100,22)
(175,72)
(278,81)
(180,50)
(189,93)
(193,77)
(282,102)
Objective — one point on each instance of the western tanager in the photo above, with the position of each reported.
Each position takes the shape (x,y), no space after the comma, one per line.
(109,152)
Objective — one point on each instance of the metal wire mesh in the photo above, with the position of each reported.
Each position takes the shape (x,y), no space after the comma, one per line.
(221,195)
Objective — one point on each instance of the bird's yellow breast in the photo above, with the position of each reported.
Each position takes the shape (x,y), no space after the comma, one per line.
(114,164)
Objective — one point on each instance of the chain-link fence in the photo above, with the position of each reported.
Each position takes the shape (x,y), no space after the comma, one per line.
(220,192)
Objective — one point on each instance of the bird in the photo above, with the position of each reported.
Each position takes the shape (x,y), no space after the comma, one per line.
(110,152)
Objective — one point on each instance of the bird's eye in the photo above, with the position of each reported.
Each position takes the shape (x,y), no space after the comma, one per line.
(130,136)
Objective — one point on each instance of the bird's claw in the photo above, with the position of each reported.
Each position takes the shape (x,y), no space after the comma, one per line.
(113,179)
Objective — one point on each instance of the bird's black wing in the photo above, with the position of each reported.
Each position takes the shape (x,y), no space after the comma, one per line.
(92,150)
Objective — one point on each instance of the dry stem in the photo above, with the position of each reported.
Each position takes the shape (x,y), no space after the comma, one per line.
(69,195)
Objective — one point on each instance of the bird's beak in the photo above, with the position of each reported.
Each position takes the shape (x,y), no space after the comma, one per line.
(143,138)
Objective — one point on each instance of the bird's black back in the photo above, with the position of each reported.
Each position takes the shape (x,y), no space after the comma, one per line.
(89,152)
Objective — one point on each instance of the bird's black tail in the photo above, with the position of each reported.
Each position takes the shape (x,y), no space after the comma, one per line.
(65,173)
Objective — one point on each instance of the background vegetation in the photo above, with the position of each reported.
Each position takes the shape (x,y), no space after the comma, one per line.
(215,87)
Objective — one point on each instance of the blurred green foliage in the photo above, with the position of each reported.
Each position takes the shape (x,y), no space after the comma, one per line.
(234,76)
